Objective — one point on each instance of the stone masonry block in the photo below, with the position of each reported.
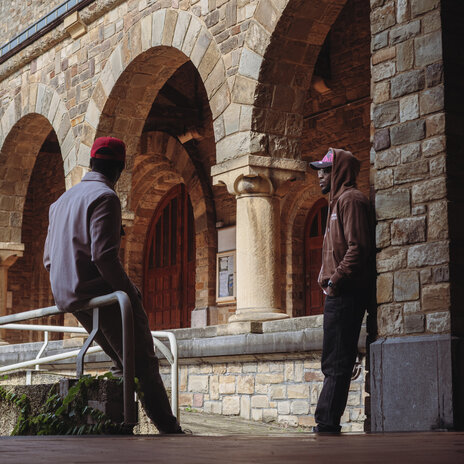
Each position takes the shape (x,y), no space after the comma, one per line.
(407,82)
(198,383)
(438,220)
(428,49)
(404,32)
(259,401)
(439,322)
(387,158)
(250,64)
(414,323)
(392,204)
(381,139)
(436,297)
(434,74)
(385,114)
(226,384)
(383,18)
(408,230)
(383,71)
(417,170)
(385,288)
(298,391)
(183,21)
(407,132)
(405,56)
(410,152)
(432,100)
(390,319)
(428,254)
(380,40)
(383,179)
(430,190)
(391,259)
(382,234)
(409,107)
(434,146)
(300,407)
(419,7)
(406,285)
(231,406)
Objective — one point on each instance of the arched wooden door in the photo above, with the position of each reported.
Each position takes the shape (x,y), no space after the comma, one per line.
(169,263)
(314,236)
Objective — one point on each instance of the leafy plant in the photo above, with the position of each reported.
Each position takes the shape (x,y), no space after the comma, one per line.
(69,415)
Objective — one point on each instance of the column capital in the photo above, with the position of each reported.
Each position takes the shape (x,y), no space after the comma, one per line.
(271,175)
(10,252)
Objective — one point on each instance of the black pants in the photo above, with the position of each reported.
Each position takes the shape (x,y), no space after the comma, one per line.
(342,323)
(154,397)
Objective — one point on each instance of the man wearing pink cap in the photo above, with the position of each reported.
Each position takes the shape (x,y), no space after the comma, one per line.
(82,256)
(347,276)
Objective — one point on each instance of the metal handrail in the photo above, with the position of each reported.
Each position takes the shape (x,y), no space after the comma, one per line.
(125,306)
(170,353)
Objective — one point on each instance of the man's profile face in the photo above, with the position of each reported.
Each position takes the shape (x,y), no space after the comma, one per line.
(325,176)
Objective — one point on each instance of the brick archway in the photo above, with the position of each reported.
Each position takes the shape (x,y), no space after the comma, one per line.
(148,54)
(163,164)
(275,70)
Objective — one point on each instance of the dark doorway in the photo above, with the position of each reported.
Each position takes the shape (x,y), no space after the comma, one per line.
(169,262)
(314,236)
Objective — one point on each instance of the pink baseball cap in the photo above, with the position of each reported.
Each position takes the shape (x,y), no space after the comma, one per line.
(325,162)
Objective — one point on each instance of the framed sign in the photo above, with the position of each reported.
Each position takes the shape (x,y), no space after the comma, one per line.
(225,278)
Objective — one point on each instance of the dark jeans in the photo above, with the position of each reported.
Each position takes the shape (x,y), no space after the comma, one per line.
(154,397)
(342,323)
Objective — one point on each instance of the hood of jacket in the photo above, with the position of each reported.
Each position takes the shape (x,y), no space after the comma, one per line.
(344,172)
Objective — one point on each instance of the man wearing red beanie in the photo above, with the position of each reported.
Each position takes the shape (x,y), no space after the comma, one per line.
(82,256)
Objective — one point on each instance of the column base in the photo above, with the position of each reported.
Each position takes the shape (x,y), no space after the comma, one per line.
(261,314)
(412,383)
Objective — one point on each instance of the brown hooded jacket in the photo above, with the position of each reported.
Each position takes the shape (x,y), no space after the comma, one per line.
(348,249)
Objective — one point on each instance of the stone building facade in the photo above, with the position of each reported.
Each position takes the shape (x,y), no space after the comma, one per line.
(222,104)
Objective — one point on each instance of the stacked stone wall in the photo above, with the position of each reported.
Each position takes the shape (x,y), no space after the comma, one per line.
(282,390)
(16,15)
(410,167)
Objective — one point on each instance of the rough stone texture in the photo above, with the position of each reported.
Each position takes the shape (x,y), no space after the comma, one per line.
(407,83)
(392,204)
(428,254)
(407,132)
(410,230)
(406,285)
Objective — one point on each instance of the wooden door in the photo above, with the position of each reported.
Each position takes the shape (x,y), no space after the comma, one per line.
(169,263)
(314,236)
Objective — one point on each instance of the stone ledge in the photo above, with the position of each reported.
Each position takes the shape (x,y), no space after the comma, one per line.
(297,339)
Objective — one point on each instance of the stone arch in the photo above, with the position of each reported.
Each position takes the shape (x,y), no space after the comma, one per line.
(164,162)
(297,204)
(160,42)
(44,102)
(29,119)
(275,70)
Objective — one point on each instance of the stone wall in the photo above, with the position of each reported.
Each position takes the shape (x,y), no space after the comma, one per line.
(16,15)
(283,390)
(408,123)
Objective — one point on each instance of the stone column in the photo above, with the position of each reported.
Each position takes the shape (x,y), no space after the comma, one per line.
(9,253)
(258,186)
(258,251)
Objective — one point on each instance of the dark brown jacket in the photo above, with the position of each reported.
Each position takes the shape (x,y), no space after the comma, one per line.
(348,249)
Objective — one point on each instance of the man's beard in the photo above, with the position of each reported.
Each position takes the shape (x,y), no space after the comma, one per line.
(326,190)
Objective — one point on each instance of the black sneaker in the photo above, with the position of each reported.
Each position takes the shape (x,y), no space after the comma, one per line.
(331,429)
